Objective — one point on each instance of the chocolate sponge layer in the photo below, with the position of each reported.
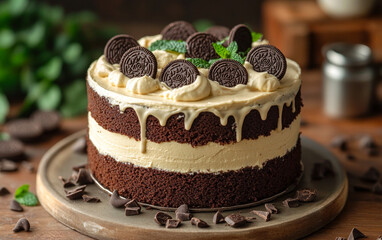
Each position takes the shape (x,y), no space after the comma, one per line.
(207,190)
(205,128)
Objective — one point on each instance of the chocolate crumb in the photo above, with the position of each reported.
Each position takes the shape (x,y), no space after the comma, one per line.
(4,191)
(91,199)
(367,142)
(199,223)
(372,152)
(377,188)
(250,219)
(218,218)
(183,209)
(173,223)
(379,238)
(262,214)
(28,166)
(83,177)
(66,182)
(79,146)
(132,204)
(291,203)
(131,211)
(271,208)
(371,175)
(340,143)
(235,220)
(81,166)
(183,216)
(161,218)
(22,225)
(76,193)
(15,206)
(8,166)
(116,201)
(306,195)
(350,157)
(355,234)
(361,187)
(322,170)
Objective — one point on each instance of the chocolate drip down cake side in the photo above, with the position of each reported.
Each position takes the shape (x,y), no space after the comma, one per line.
(208,119)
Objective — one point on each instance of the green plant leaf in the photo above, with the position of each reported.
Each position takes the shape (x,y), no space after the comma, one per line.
(19,56)
(237,57)
(7,38)
(221,50)
(256,36)
(35,35)
(27,199)
(21,190)
(223,40)
(18,6)
(232,48)
(212,61)
(169,45)
(50,99)
(202,25)
(72,53)
(199,63)
(4,136)
(51,70)
(4,107)
(27,78)
(75,99)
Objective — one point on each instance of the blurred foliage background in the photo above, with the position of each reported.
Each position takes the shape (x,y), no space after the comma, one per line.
(44,54)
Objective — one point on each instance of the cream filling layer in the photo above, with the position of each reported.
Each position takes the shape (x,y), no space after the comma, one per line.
(180,157)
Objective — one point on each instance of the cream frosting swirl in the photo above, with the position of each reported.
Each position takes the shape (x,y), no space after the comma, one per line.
(197,90)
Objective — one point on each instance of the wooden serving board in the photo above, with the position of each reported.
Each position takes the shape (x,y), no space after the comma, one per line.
(102,221)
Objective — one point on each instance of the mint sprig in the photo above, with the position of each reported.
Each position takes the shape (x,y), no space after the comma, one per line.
(201,63)
(24,197)
(169,45)
(256,36)
(230,52)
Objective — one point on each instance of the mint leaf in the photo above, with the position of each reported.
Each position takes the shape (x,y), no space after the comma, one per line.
(232,48)
(169,45)
(223,40)
(237,57)
(4,107)
(212,61)
(21,190)
(4,136)
(198,62)
(221,50)
(28,199)
(256,36)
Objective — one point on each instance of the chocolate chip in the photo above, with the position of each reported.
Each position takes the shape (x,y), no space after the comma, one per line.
(131,211)
(183,216)
(138,62)
(250,219)
(242,36)
(15,206)
(48,120)
(81,166)
(268,58)
(367,142)
(291,203)
(173,223)
(116,201)
(371,175)
(235,220)
(322,170)
(24,129)
(179,30)
(271,208)
(199,45)
(183,209)
(218,218)
(75,193)
(372,152)
(83,177)
(22,225)
(362,187)
(179,73)
(80,146)
(263,214)
(66,182)
(199,223)
(161,218)
(4,191)
(28,166)
(12,149)
(91,199)
(377,188)
(306,195)
(355,234)
(339,142)
(132,204)
(117,46)
(8,165)
(220,32)
(350,157)
(228,72)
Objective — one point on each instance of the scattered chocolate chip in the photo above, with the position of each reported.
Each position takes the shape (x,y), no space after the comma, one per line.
(4,191)
(116,201)
(271,208)
(24,129)
(131,211)
(183,216)
(322,170)
(263,214)
(80,146)
(220,32)
(372,152)
(242,36)
(179,30)
(148,208)
(340,238)
(75,193)
(183,209)
(339,142)
(173,223)
(350,157)
(81,166)
(379,238)
(179,73)
(132,204)
(15,206)
(377,188)
(8,165)
(228,72)
(83,177)
(218,218)
(138,62)
(250,219)
(28,166)
(161,218)
(235,220)
(117,46)
(355,234)
(48,120)
(371,175)
(11,149)
(306,195)
(362,187)
(291,203)
(199,45)
(268,58)
(367,142)
(91,199)
(22,225)
(199,223)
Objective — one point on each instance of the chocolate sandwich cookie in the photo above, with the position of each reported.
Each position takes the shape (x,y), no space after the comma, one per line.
(179,73)
(220,32)
(117,46)
(24,129)
(11,149)
(228,73)
(242,36)
(268,58)
(179,30)
(199,45)
(49,120)
(138,62)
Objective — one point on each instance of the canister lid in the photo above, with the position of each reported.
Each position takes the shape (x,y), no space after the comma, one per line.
(346,54)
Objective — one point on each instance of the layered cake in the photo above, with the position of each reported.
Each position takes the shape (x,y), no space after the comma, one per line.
(209,119)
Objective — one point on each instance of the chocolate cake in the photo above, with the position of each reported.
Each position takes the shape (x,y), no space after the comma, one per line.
(186,117)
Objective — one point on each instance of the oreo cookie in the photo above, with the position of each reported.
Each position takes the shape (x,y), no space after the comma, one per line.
(220,32)
(199,45)
(138,62)
(179,73)
(24,129)
(12,149)
(267,58)
(49,120)
(228,72)
(179,30)
(242,36)
(117,46)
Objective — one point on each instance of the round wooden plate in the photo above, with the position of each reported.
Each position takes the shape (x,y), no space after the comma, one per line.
(102,221)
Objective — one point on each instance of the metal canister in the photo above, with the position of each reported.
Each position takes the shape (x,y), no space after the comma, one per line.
(349,80)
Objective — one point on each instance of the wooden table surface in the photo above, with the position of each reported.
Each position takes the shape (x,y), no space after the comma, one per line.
(363,210)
